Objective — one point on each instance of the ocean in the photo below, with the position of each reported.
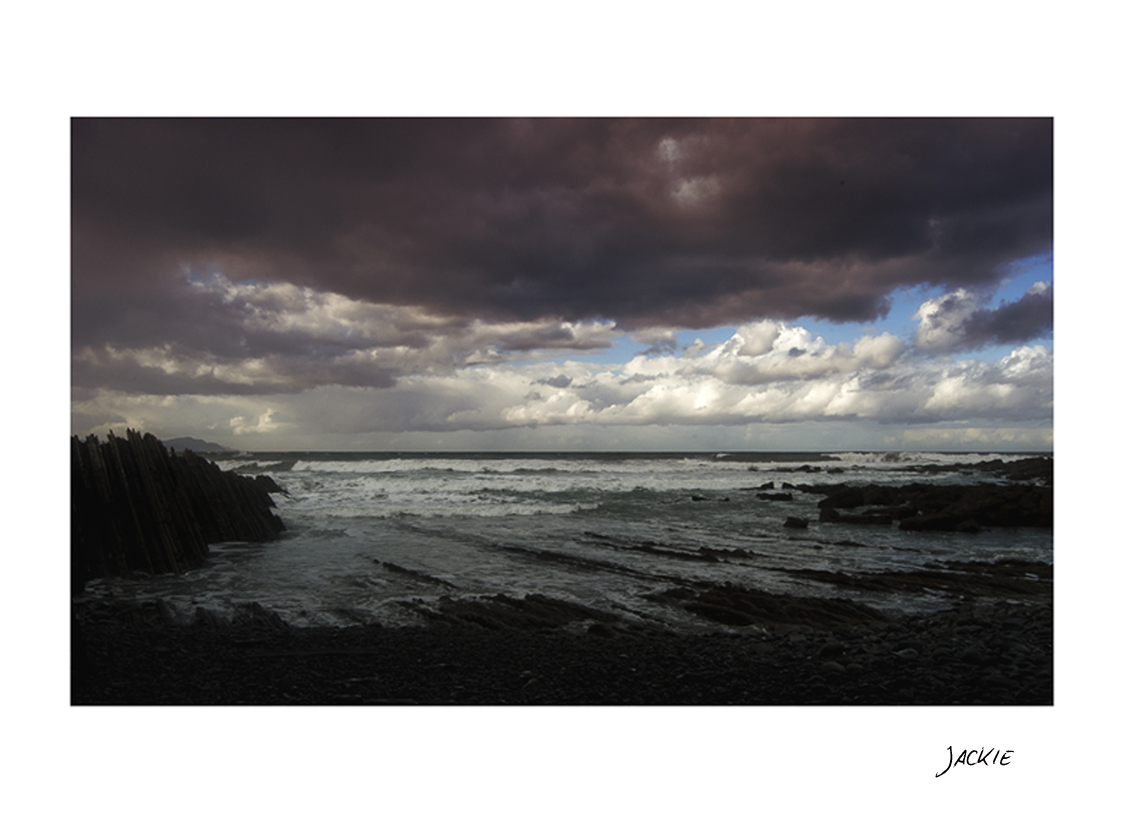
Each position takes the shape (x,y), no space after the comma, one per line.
(373,537)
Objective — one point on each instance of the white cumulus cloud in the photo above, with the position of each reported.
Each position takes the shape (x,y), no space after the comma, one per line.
(942,320)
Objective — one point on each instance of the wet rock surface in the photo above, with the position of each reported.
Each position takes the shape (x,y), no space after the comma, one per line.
(1005,578)
(538,650)
(737,606)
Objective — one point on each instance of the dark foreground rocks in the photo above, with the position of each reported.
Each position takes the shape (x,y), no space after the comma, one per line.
(136,507)
(979,652)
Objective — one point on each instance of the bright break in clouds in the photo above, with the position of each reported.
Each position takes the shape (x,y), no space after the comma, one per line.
(646,284)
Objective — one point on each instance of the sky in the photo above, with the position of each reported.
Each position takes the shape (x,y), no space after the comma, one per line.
(565,283)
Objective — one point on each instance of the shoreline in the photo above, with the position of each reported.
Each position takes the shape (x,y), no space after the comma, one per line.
(982,651)
(990,642)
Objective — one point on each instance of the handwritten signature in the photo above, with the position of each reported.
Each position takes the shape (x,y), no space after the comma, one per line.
(973,758)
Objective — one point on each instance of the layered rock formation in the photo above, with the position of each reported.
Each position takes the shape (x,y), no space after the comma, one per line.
(136,507)
(942,507)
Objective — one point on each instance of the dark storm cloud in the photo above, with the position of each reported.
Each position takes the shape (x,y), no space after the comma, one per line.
(646,222)
(184,340)
(90,370)
(1029,317)
(556,336)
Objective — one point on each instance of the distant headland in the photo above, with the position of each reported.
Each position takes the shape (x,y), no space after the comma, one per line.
(196,445)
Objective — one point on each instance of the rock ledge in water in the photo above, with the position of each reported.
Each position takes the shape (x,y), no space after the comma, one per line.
(135,507)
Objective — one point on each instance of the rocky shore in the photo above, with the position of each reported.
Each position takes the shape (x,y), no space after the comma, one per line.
(1025,497)
(992,642)
(765,649)
(135,506)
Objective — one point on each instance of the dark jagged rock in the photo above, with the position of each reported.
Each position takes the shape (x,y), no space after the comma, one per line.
(135,507)
(984,505)
(267,484)
(775,496)
(947,507)
(872,495)
(829,515)
(894,513)
(792,522)
(1039,468)
(1027,469)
